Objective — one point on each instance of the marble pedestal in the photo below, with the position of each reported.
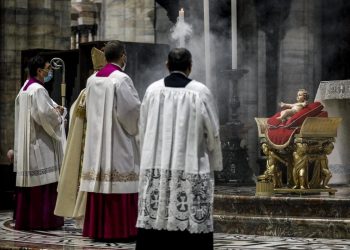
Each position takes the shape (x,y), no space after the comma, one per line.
(335,97)
(239,211)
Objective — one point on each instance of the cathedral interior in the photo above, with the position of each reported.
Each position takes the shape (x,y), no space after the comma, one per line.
(252,54)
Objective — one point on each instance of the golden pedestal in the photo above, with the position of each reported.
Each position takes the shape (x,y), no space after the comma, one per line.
(264,188)
(304,158)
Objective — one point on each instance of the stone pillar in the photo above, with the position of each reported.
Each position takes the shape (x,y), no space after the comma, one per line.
(14,20)
(139,21)
(45,20)
(299,57)
(74,28)
(86,20)
(128,20)
(113,14)
(84,31)
(148,20)
(261,98)
(248,85)
(60,29)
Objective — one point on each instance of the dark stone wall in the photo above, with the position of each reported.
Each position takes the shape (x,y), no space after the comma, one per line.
(335,39)
(25,25)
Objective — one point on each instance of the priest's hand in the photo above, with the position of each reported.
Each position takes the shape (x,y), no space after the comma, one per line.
(60,109)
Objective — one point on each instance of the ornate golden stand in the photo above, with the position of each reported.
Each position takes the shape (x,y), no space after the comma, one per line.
(305,154)
(330,191)
(264,188)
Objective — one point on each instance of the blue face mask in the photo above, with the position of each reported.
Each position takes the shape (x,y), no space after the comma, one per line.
(49,76)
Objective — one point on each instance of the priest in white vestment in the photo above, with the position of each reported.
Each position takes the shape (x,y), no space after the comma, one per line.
(111,157)
(180,150)
(38,150)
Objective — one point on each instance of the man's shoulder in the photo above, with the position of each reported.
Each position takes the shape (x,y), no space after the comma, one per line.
(117,74)
(33,88)
(111,79)
(155,85)
(198,86)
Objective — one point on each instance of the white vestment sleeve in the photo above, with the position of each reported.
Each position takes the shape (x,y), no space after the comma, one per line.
(18,132)
(212,131)
(45,115)
(128,106)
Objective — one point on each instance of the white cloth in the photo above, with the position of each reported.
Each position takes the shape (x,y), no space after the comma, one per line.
(38,138)
(180,149)
(111,155)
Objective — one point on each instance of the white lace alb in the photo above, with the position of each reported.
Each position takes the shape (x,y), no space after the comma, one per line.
(175,200)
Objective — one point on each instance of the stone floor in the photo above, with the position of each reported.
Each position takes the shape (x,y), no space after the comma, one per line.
(70,236)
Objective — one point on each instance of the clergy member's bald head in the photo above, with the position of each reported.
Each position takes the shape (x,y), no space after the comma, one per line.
(114,50)
(179,59)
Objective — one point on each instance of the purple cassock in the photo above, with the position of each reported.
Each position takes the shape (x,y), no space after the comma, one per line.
(110,217)
(35,205)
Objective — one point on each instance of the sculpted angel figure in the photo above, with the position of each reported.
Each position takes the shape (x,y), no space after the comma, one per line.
(290,109)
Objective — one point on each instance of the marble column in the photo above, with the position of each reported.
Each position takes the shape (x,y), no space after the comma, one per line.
(148,19)
(84,31)
(86,20)
(248,86)
(128,20)
(299,59)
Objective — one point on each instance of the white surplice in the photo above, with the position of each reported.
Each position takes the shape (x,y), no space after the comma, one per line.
(39,138)
(111,155)
(180,149)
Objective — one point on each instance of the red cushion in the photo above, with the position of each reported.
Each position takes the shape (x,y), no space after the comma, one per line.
(312,109)
(281,133)
(323,114)
(281,136)
(273,122)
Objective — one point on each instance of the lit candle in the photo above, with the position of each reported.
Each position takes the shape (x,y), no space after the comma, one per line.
(181,22)
(234,33)
(207,43)
(181,13)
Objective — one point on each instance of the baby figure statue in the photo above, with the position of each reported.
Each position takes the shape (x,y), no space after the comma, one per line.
(291,109)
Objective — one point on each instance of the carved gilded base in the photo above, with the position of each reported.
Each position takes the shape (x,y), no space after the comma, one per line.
(331,191)
(264,188)
(304,160)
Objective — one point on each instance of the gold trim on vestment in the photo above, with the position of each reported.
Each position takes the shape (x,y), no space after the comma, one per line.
(114,176)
